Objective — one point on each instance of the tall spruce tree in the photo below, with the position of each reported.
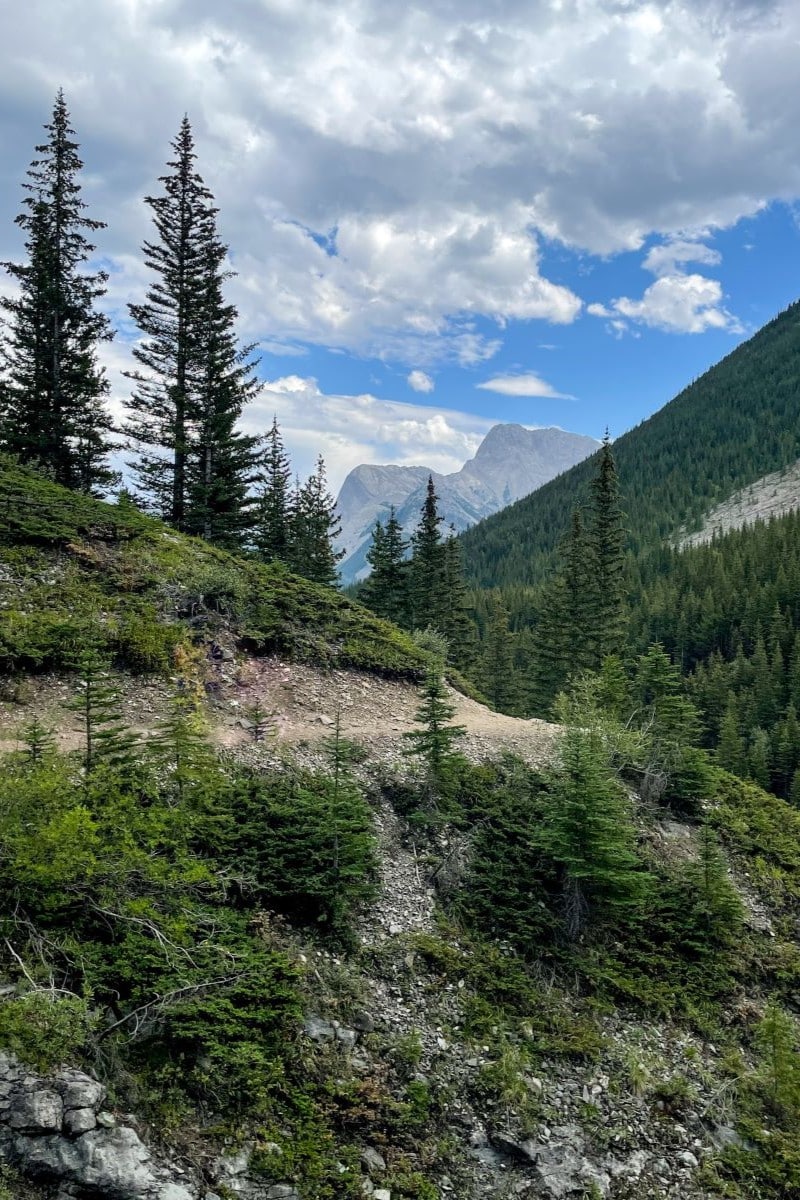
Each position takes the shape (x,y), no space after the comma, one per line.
(606,535)
(272,531)
(428,565)
(497,668)
(457,626)
(315,524)
(192,381)
(222,461)
(52,402)
(589,832)
(386,589)
(563,633)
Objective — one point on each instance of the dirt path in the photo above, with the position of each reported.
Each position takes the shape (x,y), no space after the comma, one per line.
(301,704)
(374,712)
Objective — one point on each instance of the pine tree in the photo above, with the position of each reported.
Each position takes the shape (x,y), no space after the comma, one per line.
(589,834)
(193,380)
(52,403)
(428,565)
(457,626)
(606,535)
(272,532)
(107,738)
(38,741)
(794,789)
(315,524)
(386,588)
(497,667)
(179,745)
(759,758)
(435,740)
(730,749)
(712,912)
(222,461)
(565,643)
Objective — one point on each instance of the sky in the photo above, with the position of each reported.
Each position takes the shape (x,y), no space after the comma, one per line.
(442,214)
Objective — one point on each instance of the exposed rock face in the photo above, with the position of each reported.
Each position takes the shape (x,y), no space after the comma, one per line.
(511,462)
(55,1130)
(771,496)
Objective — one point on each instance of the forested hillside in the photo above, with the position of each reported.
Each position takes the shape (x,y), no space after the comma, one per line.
(729,615)
(736,423)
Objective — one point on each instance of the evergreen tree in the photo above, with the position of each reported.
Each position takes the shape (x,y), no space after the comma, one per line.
(52,403)
(179,745)
(222,459)
(428,565)
(386,589)
(589,834)
(794,789)
(434,741)
(38,742)
(712,912)
(457,625)
(606,534)
(730,750)
(497,668)
(315,524)
(272,533)
(193,380)
(564,637)
(107,739)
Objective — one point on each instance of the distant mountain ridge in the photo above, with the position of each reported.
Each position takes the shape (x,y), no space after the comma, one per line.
(510,462)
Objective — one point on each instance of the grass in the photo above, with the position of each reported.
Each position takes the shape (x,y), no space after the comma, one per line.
(74,569)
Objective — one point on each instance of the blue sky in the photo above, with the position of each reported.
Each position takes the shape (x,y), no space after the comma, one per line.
(442,214)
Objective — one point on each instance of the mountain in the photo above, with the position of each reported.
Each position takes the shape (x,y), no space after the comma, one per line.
(736,423)
(511,461)
(247,952)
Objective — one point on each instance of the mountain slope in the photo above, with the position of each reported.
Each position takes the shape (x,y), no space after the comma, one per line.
(511,462)
(772,496)
(733,425)
(313,970)
(75,570)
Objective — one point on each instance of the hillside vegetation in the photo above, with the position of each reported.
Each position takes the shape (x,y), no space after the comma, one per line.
(77,570)
(737,422)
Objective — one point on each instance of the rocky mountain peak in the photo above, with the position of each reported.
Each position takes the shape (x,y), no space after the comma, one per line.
(510,462)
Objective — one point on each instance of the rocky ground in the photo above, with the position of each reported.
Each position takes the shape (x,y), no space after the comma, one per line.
(300,704)
(636,1118)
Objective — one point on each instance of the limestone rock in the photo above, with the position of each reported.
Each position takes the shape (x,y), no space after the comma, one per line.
(37,1112)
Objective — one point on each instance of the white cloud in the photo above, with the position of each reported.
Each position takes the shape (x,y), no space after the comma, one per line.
(385,175)
(674,303)
(420,382)
(671,256)
(521,385)
(349,430)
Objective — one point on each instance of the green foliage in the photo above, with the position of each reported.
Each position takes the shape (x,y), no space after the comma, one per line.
(737,422)
(192,380)
(428,601)
(582,613)
(435,738)
(304,843)
(313,527)
(52,401)
(588,833)
(46,1030)
(78,571)
(386,590)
